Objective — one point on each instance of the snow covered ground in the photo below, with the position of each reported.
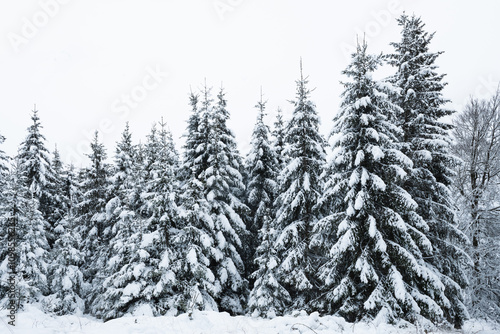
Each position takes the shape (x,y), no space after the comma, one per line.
(34,321)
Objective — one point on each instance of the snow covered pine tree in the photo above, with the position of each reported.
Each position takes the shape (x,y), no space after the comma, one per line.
(426,141)
(66,280)
(90,216)
(224,190)
(31,245)
(261,165)
(267,297)
(376,250)
(34,159)
(299,190)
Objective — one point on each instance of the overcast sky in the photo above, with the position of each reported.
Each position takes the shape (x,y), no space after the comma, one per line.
(96,64)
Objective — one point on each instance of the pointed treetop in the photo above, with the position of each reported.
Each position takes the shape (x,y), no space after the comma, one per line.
(301,76)
(162,123)
(261,105)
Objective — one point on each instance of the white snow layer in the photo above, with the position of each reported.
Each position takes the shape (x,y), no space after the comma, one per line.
(32,320)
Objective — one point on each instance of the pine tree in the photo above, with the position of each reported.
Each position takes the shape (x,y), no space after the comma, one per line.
(90,209)
(35,161)
(195,159)
(268,297)
(155,254)
(4,159)
(59,201)
(223,191)
(279,139)
(374,238)
(114,287)
(194,138)
(261,164)
(427,143)
(4,171)
(195,251)
(27,228)
(66,279)
(6,237)
(299,191)
(91,219)
(162,187)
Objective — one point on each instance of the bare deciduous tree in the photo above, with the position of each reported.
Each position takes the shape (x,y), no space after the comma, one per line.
(477,135)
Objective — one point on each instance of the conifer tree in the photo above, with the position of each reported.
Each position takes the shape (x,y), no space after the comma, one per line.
(112,289)
(35,162)
(90,209)
(66,279)
(27,227)
(194,138)
(223,189)
(268,297)
(195,250)
(279,139)
(4,170)
(261,164)
(195,159)
(157,277)
(91,220)
(426,142)
(374,238)
(59,204)
(299,190)
(4,159)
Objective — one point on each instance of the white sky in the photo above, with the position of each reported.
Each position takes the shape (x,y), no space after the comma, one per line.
(83,57)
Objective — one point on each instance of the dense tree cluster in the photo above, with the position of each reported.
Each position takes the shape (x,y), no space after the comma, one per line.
(362,225)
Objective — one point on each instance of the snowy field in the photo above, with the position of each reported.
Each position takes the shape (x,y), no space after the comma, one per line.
(33,321)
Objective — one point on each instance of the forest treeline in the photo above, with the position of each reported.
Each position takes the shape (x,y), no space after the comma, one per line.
(395,214)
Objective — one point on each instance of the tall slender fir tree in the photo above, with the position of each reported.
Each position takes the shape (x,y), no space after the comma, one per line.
(376,241)
(299,190)
(261,166)
(426,141)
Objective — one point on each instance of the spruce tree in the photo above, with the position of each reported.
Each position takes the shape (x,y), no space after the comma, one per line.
(35,162)
(223,190)
(195,251)
(4,159)
(90,208)
(195,139)
(299,190)
(155,254)
(91,220)
(112,289)
(426,142)
(261,166)
(374,237)
(28,233)
(67,282)
(279,139)
(195,157)
(268,297)
(59,204)
(4,171)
